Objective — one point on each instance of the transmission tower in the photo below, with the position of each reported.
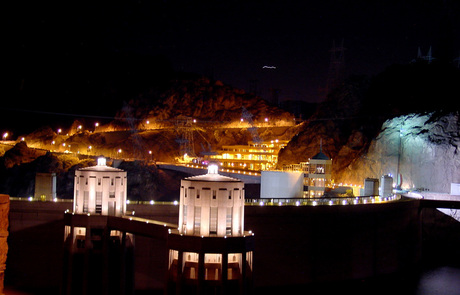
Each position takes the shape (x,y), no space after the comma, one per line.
(247,116)
(336,66)
(428,57)
(185,136)
(138,144)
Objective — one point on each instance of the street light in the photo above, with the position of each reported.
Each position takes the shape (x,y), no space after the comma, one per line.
(5,135)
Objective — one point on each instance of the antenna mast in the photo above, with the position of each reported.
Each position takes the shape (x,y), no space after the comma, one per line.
(336,66)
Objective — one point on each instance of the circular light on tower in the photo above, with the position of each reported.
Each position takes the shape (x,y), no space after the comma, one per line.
(101,161)
(213,169)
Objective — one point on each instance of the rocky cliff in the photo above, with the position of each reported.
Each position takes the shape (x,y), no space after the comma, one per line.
(423,149)
(201,99)
(407,115)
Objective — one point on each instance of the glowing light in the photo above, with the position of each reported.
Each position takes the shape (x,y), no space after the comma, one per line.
(269,67)
(213,169)
(5,135)
(101,161)
(175,203)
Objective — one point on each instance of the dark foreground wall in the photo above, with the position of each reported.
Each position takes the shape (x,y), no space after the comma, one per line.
(294,245)
(298,245)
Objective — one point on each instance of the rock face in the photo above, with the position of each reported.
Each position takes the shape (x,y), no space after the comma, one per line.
(408,114)
(203,100)
(422,149)
(337,125)
(4,223)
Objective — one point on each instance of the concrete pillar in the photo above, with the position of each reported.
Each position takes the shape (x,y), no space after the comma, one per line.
(224,272)
(123,263)
(201,273)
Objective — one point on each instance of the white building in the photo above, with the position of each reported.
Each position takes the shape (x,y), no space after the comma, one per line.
(371,187)
(100,190)
(89,240)
(386,186)
(211,205)
(281,184)
(210,250)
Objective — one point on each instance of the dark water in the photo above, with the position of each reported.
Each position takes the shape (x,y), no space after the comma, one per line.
(439,280)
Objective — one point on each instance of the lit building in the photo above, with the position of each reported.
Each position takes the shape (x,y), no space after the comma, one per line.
(317,175)
(210,251)
(97,258)
(100,190)
(254,156)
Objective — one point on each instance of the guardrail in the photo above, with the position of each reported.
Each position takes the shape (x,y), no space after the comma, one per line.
(321,201)
(263,202)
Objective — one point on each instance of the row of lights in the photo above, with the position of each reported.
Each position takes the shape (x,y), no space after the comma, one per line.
(223,170)
(346,201)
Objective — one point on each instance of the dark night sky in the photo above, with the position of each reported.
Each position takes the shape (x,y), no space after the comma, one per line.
(46,44)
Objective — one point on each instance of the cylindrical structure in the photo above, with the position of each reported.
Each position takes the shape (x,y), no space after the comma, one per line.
(210,253)
(211,205)
(100,190)
(371,187)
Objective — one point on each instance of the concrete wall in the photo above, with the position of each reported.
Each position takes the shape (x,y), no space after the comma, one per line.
(306,244)
(294,245)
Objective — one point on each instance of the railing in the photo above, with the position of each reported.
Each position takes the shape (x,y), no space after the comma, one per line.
(265,201)
(32,199)
(321,201)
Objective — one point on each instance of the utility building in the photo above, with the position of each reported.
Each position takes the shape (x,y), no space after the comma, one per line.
(45,186)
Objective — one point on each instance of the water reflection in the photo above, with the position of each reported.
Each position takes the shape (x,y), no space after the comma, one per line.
(440,281)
